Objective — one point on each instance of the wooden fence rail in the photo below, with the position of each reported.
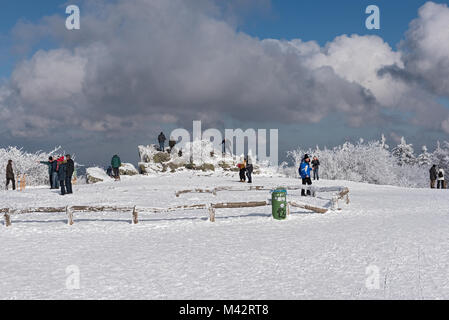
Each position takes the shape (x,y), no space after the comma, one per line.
(211,208)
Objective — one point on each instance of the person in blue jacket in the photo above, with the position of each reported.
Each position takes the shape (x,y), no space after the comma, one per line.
(305,173)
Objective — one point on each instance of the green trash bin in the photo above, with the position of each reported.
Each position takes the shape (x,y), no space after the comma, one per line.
(279,204)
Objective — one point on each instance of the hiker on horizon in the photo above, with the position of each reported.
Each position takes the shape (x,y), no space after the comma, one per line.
(10,175)
(304,171)
(161,139)
(115,164)
(433,176)
(61,170)
(49,164)
(316,167)
(441,183)
(249,168)
(69,174)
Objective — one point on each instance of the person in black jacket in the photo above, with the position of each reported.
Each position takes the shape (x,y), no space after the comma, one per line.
(10,175)
(61,170)
(433,176)
(249,168)
(161,139)
(70,168)
(316,168)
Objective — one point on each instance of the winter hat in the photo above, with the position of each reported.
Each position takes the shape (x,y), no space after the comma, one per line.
(306,156)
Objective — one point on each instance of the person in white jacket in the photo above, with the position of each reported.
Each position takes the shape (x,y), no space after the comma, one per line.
(440,177)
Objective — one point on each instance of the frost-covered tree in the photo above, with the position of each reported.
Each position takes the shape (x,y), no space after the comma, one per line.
(26,164)
(367,162)
(425,158)
(383,142)
(441,155)
(404,153)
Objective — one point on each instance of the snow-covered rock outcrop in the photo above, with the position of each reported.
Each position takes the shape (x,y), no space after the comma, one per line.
(95,175)
(127,169)
(198,156)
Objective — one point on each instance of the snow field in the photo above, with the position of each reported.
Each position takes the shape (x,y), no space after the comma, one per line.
(245,254)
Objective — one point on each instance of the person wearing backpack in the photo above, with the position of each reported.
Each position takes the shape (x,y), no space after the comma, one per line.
(115,164)
(242,170)
(305,170)
(441,184)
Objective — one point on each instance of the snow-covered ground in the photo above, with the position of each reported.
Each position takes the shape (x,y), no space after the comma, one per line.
(245,254)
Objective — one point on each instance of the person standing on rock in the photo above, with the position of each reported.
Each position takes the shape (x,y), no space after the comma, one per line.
(304,172)
(433,176)
(115,164)
(161,139)
(10,175)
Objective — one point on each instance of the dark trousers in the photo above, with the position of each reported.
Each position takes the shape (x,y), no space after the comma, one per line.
(242,175)
(440,184)
(316,173)
(51,181)
(432,184)
(306,181)
(249,172)
(62,184)
(13,183)
(68,184)
(116,173)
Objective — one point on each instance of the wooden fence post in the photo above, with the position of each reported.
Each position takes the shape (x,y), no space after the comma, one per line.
(211,214)
(335,203)
(69,213)
(135,216)
(7,219)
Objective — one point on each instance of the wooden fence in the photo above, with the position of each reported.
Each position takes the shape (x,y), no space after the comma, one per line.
(339,193)
(134,211)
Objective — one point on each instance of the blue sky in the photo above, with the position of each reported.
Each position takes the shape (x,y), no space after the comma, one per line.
(319,20)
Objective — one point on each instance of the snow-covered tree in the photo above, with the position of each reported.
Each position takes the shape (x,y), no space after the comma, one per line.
(425,158)
(441,155)
(26,164)
(367,162)
(404,153)
(383,142)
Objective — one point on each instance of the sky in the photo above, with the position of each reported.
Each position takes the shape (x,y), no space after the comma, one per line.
(308,68)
